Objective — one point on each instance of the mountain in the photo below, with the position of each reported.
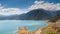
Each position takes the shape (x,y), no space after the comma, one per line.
(37,14)
(58,14)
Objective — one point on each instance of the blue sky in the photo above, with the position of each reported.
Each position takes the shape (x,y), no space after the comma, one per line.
(9,7)
(22,3)
(17,3)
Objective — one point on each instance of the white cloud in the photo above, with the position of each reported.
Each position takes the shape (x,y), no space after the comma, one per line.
(10,11)
(44,5)
(36,5)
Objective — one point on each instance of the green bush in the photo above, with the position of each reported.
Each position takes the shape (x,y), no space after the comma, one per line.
(58,30)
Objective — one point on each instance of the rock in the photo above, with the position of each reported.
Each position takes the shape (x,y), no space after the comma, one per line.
(22,30)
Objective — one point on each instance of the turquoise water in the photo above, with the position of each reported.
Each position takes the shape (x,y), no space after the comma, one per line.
(10,26)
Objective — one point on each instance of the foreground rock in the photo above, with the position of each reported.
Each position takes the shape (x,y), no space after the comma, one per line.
(22,30)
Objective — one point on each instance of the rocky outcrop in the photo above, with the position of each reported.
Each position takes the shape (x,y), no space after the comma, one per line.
(22,30)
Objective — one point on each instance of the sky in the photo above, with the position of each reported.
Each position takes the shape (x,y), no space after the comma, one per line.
(10,7)
(22,3)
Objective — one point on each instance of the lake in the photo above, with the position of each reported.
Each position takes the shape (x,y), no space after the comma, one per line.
(11,26)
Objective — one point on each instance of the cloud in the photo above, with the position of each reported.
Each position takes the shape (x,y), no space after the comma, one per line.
(36,5)
(11,11)
(44,5)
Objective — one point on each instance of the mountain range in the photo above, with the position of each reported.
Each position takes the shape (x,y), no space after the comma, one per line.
(37,14)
